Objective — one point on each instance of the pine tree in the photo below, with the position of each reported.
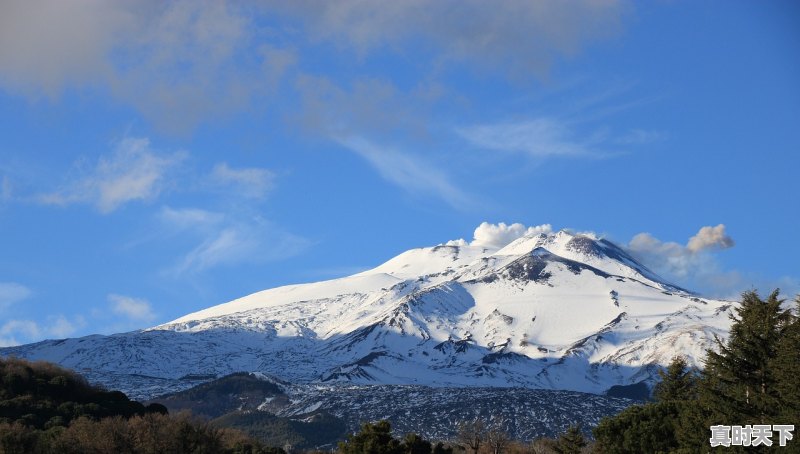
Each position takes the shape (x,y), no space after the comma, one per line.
(638,429)
(372,439)
(651,427)
(678,382)
(786,368)
(414,444)
(571,442)
(753,378)
(739,385)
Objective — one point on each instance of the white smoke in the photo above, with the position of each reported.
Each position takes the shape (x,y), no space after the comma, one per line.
(676,260)
(495,236)
(710,238)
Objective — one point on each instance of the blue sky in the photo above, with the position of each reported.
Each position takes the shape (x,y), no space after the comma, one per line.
(157,158)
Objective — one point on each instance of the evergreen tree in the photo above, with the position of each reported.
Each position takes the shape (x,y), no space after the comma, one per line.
(571,442)
(739,384)
(753,378)
(786,369)
(652,427)
(414,444)
(372,439)
(678,382)
(638,429)
(440,448)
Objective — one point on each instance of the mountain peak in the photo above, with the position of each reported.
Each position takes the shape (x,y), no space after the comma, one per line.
(556,310)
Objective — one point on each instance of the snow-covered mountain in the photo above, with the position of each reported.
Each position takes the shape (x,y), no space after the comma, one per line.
(551,310)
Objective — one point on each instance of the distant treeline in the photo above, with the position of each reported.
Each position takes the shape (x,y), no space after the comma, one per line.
(475,437)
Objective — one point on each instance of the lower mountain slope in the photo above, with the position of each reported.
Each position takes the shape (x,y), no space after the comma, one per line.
(309,416)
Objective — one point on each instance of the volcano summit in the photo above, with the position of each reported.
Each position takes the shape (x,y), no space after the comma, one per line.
(548,311)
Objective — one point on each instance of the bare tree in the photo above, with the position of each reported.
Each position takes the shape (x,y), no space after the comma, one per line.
(471,435)
(497,438)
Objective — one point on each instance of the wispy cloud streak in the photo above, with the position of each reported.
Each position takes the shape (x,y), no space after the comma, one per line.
(133,171)
(409,172)
(539,138)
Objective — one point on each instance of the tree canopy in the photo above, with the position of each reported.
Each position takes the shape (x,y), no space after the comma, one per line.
(752,378)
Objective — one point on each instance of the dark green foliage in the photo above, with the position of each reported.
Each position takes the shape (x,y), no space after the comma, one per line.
(572,441)
(45,408)
(316,430)
(786,369)
(754,378)
(640,428)
(235,383)
(43,395)
(652,427)
(152,433)
(376,438)
(238,391)
(678,382)
(156,408)
(738,380)
(440,448)
(414,444)
(372,439)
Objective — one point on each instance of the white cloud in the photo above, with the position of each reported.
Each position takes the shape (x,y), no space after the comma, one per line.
(496,236)
(178,62)
(515,37)
(183,62)
(12,293)
(60,326)
(45,45)
(366,105)
(27,328)
(409,172)
(679,261)
(133,171)
(367,116)
(668,258)
(225,238)
(249,182)
(710,238)
(693,264)
(15,332)
(228,246)
(135,309)
(8,342)
(539,137)
(181,219)
(239,240)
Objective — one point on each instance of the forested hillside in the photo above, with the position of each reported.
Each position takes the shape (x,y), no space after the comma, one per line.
(45,408)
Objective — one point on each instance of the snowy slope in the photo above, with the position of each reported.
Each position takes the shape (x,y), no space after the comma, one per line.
(554,311)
